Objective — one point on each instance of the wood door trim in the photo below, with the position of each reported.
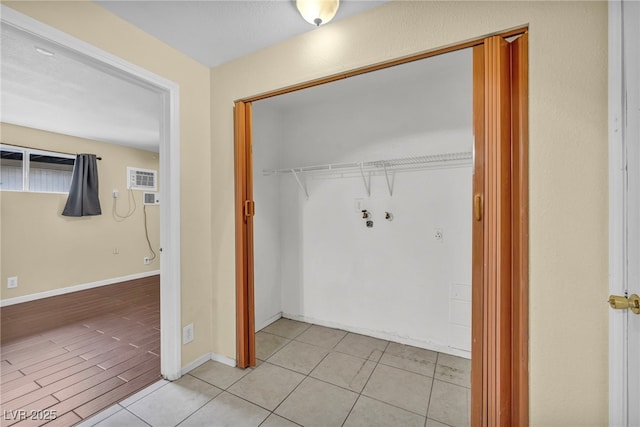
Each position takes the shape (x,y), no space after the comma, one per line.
(500,384)
(498,244)
(520,223)
(251,311)
(501,120)
(478,372)
(375,67)
(245,306)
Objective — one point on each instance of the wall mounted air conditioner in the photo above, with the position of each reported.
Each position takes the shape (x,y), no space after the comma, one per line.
(151,198)
(142,179)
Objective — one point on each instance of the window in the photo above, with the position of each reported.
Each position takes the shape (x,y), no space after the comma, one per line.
(50,174)
(11,175)
(24,169)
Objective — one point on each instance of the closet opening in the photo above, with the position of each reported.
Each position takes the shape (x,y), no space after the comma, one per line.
(384,218)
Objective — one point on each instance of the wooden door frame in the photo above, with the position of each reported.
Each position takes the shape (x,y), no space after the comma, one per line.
(500,328)
(245,307)
(500,308)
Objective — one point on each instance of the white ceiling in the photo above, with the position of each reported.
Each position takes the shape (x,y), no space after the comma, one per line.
(69,94)
(217,31)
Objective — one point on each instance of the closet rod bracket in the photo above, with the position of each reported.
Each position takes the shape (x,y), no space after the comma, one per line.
(301,183)
(367,184)
(386,175)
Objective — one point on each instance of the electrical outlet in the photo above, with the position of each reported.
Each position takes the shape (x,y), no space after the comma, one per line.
(187,334)
(146,260)
(116,251)
(438,234)
(116,194)
(12,282)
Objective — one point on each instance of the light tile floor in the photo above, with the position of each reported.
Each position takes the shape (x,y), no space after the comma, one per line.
(309,375)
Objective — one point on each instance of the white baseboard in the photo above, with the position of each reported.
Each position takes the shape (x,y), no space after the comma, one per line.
(224,360)
(193,365)
(263,324)
(428,345)
(205,358)
(76,288)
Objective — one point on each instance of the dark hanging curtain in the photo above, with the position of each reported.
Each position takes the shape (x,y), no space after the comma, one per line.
(83,194)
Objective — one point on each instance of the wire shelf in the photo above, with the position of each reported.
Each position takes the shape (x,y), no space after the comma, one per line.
(394,164)
(369,168)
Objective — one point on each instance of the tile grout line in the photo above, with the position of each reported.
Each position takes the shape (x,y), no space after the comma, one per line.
(391,404)
(351,409)
(136,416)
(281,416)
(305,376)
(203,405)
(253,369)
(342,339)
(394,406)
(309,375)
(247,400)
(281,336)
(433,377)
(262,407)
(295,388)
(433,381)
(366,382)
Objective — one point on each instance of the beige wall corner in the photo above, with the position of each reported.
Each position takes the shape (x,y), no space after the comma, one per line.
(95,25)
(568,169)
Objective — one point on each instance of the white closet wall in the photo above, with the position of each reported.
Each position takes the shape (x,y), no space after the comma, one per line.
(395,280)
(268,282)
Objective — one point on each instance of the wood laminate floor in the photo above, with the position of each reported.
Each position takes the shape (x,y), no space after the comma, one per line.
(68,357)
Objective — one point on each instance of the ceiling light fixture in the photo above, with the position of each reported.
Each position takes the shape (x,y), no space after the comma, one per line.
(44,51)
(317,12)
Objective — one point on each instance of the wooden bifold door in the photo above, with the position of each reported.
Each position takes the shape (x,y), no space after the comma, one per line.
(499,352)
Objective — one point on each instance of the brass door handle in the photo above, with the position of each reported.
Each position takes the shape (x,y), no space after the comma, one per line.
(477,207)
(622,303)
(249,208)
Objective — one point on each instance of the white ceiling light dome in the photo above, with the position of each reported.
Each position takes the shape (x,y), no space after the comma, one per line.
(318,12)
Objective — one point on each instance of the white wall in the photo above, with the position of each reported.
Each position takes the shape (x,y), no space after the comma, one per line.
(267,131)
(394,280)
